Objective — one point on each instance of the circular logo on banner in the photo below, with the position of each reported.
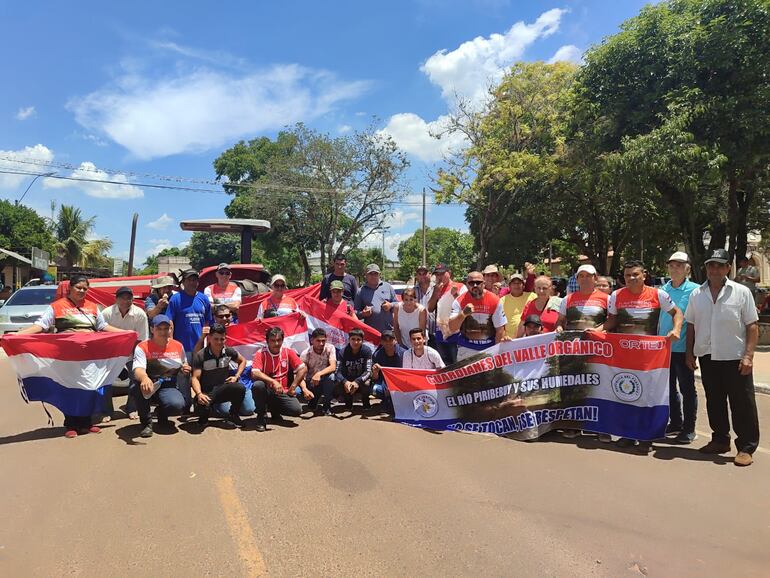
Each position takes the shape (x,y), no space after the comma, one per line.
(627,387)
(426,405)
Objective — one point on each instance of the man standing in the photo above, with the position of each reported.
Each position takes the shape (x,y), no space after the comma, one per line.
(586,308)
(423,287)
(189,311)
(442,296)
(421,356)
(127,316)
(572,284)
(224,291)
(747,275)
(723,333)
(354,369)
(684,407)
(375,300)
(491,276)
(339,274)
(478,316)
(211,379)
(514,302)
(157,301)
(336,303)
(635,309)
(270,372)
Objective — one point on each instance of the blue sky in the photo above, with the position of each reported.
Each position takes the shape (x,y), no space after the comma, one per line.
(162,88)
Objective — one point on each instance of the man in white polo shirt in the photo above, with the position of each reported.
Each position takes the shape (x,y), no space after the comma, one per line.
(722,332)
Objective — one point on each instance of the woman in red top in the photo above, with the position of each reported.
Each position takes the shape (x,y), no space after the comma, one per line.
(544,306)
(73,313)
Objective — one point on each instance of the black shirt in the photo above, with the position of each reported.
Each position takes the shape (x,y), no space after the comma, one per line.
(348,293)
(214,370)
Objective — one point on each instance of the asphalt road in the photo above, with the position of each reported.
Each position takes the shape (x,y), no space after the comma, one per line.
(342,497)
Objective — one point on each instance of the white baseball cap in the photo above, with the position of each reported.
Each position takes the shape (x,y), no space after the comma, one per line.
(587,268)
(679,256)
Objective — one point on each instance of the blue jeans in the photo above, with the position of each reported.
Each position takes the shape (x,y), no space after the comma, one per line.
(247,407)
(684,407)
(169,399)
(326,388)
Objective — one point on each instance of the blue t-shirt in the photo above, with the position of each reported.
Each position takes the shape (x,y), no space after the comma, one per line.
(189,314)
(680,296)
(384,360)
(379,319)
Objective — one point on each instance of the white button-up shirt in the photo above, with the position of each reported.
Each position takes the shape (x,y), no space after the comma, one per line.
(134,320)
(720,328)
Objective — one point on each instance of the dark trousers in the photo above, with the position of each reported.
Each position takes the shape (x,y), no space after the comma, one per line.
(447,351)
(77,421)
(169,399)
(279,404)
(723,382)
(325,387)
(365,390)
(226,392)
(684,407)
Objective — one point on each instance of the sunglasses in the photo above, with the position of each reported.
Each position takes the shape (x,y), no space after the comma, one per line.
(279,285)
(225,273)
(475,283)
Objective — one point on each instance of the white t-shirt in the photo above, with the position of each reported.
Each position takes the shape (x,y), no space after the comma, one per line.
(430,360)
(720,328)
(134,320)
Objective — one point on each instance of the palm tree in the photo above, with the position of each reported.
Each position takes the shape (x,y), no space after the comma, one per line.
(71,232)
(94,253)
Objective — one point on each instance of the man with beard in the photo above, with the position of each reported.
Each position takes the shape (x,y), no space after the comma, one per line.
(478,316)
(441,297)
(339,274)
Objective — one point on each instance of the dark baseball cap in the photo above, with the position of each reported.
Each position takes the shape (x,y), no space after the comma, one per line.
(387,333)
(440,268)
(160,319)
(190,273)
(124,291)
(718,256)
(535,319)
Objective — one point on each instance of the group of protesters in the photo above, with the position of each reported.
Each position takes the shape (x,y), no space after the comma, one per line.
(182,359)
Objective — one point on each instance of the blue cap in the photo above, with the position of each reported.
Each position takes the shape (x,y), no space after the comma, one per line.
(158,319)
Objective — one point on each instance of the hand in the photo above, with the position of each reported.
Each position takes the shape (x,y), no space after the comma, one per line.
(307,394)
(146,385)
(529,268)
(316,379)
(559,329)
(506,338)
(231,379)
(367,311)
(386,306)
(468,310)
(206,330)
(691,362)
(745,365)
(186,369)
(673,335)
(277,387)
(376,370)
(454,291)
(163,300)
(353,387)
(203,399)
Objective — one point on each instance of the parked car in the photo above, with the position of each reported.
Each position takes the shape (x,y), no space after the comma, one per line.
(25,307)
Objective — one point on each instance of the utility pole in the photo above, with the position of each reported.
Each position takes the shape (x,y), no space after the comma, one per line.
(383,252)
(21,198)
(130,271)
(424,242)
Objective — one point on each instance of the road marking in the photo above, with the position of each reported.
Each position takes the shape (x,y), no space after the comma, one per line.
(240,530)
(708,437)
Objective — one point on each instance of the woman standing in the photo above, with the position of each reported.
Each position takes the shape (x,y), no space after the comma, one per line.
(73,313)
(407,316)
(544,306)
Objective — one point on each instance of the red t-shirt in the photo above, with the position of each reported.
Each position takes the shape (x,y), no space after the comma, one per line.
(548,317)
(277,365)
(343,308)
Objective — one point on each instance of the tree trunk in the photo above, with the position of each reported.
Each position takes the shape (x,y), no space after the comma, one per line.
(306,272)
(732,213)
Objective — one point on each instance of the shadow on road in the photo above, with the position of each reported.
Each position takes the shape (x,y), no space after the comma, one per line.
(42,433)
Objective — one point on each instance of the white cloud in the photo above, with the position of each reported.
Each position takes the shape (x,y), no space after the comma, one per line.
(416,136)
(25,113)
(344,128)
(183,244)
(399,218)
(474,65)
(7,163)
(160,223)
(567,53)
(206,109)
(158,245)
(467,73)
(391,243)
(88,172)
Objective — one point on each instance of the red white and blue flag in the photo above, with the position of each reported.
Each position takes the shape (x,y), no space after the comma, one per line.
(250,337)
(336,324)
(68,370)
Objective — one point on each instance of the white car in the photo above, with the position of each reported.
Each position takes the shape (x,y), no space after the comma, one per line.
(25,306)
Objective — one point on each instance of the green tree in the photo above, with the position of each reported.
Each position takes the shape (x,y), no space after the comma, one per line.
(678,100)
(72,230)
(150,265)
(208,249)
(443,245)
(21,228)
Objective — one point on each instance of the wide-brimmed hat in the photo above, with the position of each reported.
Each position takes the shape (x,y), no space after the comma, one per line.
(164,281)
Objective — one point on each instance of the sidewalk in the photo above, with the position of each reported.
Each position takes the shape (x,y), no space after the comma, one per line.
(761,370)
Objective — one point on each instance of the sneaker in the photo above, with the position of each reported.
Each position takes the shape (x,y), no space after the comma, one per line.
(715,448)
(261,422)
(570,434)
(743,459)
(686,437)
(71,433)
(626,443)
(349,406)
(672,429)
(327,411)
(146,431)
(235,419)
(311,405)
(605,438)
